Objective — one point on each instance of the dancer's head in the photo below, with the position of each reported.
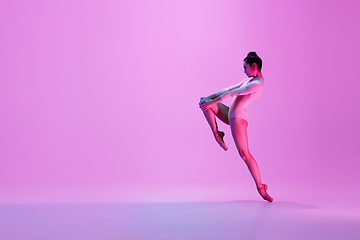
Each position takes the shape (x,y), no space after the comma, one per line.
(252,64)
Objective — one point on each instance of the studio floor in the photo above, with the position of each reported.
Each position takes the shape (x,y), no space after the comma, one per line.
(242,219)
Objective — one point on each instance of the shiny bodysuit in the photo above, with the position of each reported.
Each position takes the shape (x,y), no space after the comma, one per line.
(244,92)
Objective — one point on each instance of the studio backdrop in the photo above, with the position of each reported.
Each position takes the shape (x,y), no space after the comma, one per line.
(99,99)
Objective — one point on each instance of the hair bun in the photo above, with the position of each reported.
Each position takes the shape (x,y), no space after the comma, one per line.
(252,54)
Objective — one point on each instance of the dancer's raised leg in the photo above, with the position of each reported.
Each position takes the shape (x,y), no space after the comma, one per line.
(221,111)
(238,130)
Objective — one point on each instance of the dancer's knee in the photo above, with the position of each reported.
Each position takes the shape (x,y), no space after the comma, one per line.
(245,155)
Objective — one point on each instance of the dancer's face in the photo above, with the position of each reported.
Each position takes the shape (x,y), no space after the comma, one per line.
(250,71)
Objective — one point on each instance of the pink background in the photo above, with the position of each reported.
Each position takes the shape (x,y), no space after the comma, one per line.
(99,99)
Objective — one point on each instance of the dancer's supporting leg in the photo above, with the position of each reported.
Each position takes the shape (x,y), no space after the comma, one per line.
(221,111)
(238,129)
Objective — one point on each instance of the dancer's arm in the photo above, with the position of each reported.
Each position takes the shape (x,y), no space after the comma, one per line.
(222,91)
(203,100)
(250,87)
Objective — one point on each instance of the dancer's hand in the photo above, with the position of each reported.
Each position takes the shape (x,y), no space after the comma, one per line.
(204,99)
(205,103)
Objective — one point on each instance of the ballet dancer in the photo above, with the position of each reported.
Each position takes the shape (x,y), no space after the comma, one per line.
(236,116)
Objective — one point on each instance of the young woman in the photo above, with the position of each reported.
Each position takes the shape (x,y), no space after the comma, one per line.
(236,116)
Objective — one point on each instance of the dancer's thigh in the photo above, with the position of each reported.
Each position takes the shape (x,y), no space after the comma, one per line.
(238,130)
(222,112)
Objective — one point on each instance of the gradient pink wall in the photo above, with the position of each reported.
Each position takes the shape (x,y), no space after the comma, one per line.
(99,99)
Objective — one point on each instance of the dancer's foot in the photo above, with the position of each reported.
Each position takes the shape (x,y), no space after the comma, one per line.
(219,137)
(263,193)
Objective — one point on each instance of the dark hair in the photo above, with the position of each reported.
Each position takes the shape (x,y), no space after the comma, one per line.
(252,58)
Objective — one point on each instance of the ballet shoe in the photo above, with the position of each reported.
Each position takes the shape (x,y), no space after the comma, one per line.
(219,137)
(263,193)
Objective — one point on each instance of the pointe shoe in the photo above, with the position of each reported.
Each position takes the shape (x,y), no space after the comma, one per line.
(263,193)
(219,137)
